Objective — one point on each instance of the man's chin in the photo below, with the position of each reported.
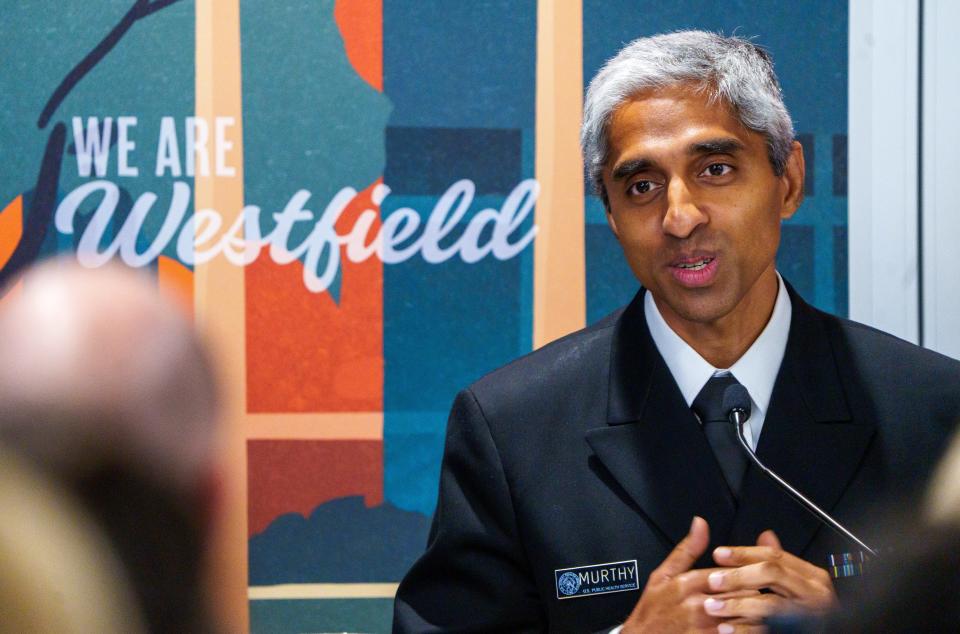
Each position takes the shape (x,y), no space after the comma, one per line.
(704,308)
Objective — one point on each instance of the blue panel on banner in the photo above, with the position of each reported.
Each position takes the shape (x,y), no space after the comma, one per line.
(463,108)
(610,282)
(456,64)
(427,160)
(839,156)
(294,549)
(412,449)
(795,256)
(445,325)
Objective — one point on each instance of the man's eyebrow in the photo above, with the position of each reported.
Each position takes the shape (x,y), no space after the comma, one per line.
(716,146)
(630,167)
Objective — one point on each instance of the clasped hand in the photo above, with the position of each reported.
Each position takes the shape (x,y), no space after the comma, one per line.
(727,599)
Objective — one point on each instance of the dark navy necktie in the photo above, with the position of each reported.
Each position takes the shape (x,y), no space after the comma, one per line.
(721,433)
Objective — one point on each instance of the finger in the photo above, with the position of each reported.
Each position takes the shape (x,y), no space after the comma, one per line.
(734,627)
(754,607)
(691,582)
(694,614)
(686,553)
(808,585)
(769,538)
(729,556)
(763,575)
(695,582)
(743,555)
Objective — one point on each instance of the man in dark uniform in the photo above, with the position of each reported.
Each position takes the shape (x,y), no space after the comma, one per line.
(595,483)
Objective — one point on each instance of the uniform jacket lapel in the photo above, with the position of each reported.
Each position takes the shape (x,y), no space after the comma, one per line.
(652,444)
(808,437)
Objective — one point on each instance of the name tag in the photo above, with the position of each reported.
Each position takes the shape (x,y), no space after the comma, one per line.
(583,581)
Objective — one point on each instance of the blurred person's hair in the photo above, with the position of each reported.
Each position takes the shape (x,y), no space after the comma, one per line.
(105,385)
(57,572)
(942,504)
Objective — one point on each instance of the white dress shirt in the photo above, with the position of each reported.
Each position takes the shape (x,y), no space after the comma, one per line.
(756,370)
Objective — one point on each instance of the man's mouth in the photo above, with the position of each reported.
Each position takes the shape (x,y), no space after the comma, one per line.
(695,265)
(695,271)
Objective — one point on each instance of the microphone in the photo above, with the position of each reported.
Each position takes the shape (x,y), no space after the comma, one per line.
(736,402)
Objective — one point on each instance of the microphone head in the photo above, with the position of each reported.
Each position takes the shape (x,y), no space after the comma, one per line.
(736,398)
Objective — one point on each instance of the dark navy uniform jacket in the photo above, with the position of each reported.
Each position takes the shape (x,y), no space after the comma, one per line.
(585,452)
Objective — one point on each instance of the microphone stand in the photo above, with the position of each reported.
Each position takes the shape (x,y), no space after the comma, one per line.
(739,420)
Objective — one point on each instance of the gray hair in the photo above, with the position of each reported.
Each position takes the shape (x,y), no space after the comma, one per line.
(730,69)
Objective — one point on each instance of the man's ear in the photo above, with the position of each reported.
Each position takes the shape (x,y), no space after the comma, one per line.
(793,178)
(606,207)
(612,223)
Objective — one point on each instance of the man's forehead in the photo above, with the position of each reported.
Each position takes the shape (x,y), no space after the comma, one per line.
(674,119)
(655,108)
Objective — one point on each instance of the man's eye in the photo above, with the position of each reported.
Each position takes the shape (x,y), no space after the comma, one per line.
(641,187)
(717,169)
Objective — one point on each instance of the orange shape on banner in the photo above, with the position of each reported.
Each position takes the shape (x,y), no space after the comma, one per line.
(361,25)
(306,352)
(297,476)
(177,280)
(11,229)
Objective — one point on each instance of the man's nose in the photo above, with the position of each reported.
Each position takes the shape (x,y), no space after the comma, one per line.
(683,215)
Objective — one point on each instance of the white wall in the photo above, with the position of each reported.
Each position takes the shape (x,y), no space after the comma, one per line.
(904,186)
(882,154)
(940,180)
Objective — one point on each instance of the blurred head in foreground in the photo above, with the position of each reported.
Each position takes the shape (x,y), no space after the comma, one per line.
(105,386)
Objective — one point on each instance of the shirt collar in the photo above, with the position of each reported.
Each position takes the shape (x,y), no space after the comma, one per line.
(756,370)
